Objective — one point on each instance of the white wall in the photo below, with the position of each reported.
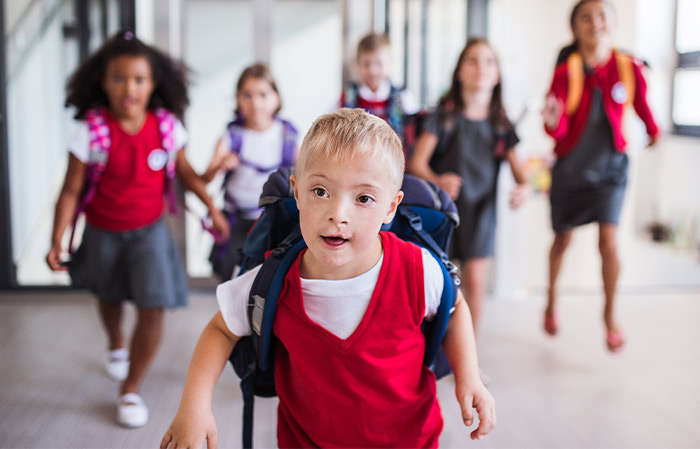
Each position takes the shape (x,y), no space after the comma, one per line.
(38,127)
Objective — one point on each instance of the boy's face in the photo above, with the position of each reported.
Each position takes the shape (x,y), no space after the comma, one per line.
(374,67)
(128,84)
(342,206)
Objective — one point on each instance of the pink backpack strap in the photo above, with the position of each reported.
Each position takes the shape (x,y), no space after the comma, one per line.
(98,153)
(166,126)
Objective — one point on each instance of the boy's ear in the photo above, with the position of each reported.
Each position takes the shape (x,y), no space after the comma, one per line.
(393,207)
(293,183)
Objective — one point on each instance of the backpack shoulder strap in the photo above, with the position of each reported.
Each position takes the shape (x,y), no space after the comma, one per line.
(253,357)
(234,129)
(98,153)
(166,126)
(574,68)
(625,71)
(395,110)
(351,93)
(264,294)
(289,143)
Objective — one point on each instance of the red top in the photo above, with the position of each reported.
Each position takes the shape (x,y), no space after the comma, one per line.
(130,192)
(371,389)
(379,108)
(568,132)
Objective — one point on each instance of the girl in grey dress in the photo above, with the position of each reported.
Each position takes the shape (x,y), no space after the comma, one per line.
(461,149)
(592,84)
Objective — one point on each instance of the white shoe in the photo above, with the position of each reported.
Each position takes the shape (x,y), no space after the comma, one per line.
(131,411)
(117,363)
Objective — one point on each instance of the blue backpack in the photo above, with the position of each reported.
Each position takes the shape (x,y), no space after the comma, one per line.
(426,216)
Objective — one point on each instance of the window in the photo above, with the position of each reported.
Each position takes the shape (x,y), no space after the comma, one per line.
(686,80)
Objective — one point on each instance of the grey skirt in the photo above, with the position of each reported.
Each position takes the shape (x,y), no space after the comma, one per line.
(142,265)
(475,237)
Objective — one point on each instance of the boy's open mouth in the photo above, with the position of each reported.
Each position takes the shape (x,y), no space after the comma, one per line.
(334,241)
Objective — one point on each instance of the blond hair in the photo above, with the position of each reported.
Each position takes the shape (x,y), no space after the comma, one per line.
(349,133)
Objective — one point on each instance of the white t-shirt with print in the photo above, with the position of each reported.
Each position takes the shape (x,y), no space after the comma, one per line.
(263,149)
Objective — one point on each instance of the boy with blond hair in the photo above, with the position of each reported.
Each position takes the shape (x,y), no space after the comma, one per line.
(349,352)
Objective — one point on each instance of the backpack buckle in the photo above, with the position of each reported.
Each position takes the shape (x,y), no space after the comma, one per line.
(257,316)
(415,222)
(454,272)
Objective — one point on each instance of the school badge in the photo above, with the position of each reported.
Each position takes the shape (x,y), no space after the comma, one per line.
(619,93)
(157,159)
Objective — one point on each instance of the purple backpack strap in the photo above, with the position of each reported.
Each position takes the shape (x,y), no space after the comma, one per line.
(234,129)
(166,126)
(289,144)
(98,153)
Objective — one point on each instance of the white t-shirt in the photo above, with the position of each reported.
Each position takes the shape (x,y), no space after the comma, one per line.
(262,148)
(336,305)
(409,104)
(79,143)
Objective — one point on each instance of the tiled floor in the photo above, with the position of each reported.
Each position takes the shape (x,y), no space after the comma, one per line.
(551,393)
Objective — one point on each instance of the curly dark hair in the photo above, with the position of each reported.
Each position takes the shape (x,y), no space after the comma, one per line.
(84,87)
(452,104)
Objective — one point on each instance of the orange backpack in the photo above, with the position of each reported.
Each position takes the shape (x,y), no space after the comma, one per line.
(577,76)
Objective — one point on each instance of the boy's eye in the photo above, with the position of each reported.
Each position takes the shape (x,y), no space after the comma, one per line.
(319,192)
(364,199)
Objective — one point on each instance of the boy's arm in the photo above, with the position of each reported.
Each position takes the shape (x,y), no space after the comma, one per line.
(194,183)
(194,422)
(460,347)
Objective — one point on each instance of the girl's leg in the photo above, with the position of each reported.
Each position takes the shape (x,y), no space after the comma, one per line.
(607,245)
(474,286)
(111,315)
(556,256)
(144,344)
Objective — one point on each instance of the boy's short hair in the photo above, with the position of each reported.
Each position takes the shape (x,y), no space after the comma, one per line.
(348,133)
(373,42)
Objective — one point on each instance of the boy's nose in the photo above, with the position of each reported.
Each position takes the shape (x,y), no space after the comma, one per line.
(338,213)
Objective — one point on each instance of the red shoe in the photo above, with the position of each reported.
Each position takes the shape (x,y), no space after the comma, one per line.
(550,324)
(615,340)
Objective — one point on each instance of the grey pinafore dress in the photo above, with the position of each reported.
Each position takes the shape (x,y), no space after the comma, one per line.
(588,184)
(469,151)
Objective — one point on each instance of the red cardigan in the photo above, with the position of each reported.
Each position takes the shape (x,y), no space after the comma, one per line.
(568,132)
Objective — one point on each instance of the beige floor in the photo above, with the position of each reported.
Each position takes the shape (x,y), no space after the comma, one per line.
(551,393)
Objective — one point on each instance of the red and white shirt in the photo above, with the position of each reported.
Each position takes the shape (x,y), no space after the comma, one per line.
(129,194)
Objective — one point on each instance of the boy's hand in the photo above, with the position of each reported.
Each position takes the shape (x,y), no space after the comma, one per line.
(476,396)
(190,429)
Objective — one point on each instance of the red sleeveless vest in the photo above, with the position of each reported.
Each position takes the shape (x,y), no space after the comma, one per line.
(370,390)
